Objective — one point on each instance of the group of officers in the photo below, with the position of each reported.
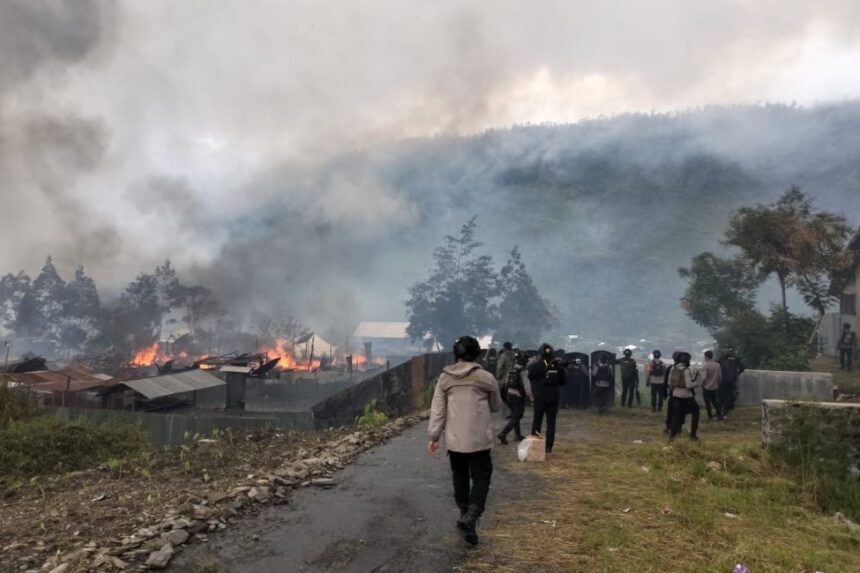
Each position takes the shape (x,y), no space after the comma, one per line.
(551,380)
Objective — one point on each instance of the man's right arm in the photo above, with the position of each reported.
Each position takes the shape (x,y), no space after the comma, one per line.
(438,412)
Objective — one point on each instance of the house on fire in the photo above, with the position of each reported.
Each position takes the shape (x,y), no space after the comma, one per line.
(192,388)
(75,386)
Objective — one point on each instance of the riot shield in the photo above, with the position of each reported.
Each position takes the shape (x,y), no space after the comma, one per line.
(611,359)
(578,389)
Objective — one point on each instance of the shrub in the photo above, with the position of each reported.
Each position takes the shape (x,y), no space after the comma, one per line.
(822,449)
(14,405)
(44,444)
(372,419)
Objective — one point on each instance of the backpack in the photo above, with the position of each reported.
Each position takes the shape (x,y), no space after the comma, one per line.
(514,381)
(628,368)
(677,378)
(603,377)
(658,369)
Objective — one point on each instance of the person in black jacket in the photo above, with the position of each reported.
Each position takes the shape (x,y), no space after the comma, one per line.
(517,390)
(629,378)
(732,367)
(547,376)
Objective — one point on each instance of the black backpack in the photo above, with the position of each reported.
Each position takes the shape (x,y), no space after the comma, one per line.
(603,377)
(515,380)
(658,369)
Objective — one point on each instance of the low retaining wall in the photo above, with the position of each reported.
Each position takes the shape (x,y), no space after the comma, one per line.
(397,392)
(757,385)
(835,418)
(172,429)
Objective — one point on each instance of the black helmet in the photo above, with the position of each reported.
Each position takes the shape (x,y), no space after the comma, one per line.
(658,355)
(522,358)
(508,345)
(467,348)
(628,353)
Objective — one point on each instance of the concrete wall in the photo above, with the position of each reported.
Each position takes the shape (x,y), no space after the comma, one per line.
(757,385)
(172,429)
(778,415)
(397,391)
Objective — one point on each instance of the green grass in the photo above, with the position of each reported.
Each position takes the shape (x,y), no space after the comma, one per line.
(372,419)
(625,507)
(45,445)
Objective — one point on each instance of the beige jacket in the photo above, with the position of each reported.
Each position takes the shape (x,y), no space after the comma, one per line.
(465,395)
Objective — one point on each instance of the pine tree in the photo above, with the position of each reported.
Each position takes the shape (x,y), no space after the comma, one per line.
(525,316)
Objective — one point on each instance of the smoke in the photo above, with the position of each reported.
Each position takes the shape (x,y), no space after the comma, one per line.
(276,150)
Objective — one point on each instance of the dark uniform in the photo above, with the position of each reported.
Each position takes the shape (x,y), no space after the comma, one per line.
(629,379)
(847,347)
(603,375)
(731,367)
(547,376)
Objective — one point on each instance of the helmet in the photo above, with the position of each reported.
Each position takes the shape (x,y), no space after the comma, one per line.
(522,358)
(628,353)
(508,345)
(578,361)
(657,354)
(467,348)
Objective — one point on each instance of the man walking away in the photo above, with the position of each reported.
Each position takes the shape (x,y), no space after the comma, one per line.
(732,368)
(465,396)
(579,381)
(670,403)
(518,390)
(712,374)
(507,359)
(847,347)
(655,369)
(546,376)
(629,378)
(602,376)
(682,386)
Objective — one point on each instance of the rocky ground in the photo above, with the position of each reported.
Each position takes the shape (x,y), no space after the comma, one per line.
(136,516)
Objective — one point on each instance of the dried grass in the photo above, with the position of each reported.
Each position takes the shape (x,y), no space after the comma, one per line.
(577,520)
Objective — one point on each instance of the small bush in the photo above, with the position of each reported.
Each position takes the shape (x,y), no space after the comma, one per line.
(372,419)
(44,444)
(822,450)
(427,394)
(14,405)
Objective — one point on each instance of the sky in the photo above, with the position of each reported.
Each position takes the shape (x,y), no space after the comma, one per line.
(127,128)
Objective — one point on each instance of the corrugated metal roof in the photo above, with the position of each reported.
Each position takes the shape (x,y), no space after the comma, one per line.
(176,383)
(72,379)
(381,330)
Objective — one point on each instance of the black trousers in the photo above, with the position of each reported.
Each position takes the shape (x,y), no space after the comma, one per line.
(712,401)
(681,407)
(602,395)
(471,472)
(670,410)
(657,393)
(628,391)
(551,410)
(846,358)
(518,408)
(726,397)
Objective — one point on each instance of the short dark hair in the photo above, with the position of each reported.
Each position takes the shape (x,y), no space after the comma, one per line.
(467,348)
(709,354)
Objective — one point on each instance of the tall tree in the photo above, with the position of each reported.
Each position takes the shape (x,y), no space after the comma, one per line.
(171,293)
(790,240)
(81,314)
(719,289)
(139,312)
(456,297)
(41,307)
(13,288)
(524,315)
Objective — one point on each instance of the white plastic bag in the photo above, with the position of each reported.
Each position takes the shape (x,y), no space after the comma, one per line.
(532,449)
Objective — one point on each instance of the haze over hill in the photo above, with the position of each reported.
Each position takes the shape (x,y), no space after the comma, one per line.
(286,155)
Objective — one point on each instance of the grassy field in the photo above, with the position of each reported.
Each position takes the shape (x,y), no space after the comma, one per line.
(607,503)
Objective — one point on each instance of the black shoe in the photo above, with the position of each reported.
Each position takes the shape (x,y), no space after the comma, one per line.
(468,522)
(694,438)
(519,438)
(503,439)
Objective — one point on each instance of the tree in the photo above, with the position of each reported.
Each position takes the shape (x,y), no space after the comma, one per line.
(524,315)
(199,303)
(790,240)
(81,314)
(719,289)
(13,288)
(139,312)
(170,292)
(456,297)
(40,308)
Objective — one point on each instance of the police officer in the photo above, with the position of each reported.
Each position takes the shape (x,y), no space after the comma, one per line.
(578,379)
(547,376)
(629,378)
(602,376)
(847,347)
(731,368)
(655,369)
(517,389)
(682,384)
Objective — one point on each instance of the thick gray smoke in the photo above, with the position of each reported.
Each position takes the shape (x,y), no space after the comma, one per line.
(274,150)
